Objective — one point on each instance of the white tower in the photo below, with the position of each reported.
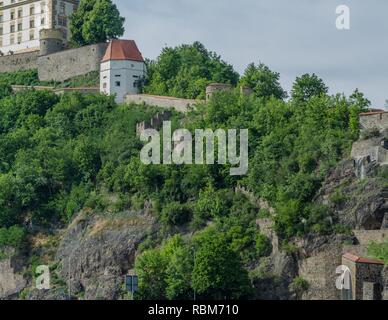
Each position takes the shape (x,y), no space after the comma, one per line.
(122,69)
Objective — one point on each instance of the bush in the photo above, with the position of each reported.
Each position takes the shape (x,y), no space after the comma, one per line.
(379,251)
(338,198)
(13,237)
(299,286)
(175,214)
(263,246)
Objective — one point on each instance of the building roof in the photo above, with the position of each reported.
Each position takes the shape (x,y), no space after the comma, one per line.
(122,50)
(358,259)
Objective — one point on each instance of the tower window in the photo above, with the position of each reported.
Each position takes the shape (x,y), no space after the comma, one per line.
(118,84)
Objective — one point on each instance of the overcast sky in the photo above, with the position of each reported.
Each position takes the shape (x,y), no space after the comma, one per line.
(291,37)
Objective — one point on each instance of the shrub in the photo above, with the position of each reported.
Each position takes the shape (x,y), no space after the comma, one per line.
(299,286)
(379,251)
(13,236)
(263,246)
(175,214)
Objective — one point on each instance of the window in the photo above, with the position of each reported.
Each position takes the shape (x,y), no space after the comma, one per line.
(12,29)
(62,8)
(19,38)
(32,23)
(1,31)
(20,26)
(12,15)
(20,13)
(118,75)
(104,85)
(1,42)
(32,36)
(118,84)
(1,18)
(62,21)
(32,10)
(42,22)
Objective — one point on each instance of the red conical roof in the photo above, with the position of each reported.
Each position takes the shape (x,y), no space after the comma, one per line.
(122,50)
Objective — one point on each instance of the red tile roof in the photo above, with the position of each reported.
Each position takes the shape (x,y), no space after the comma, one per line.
(122,50)
(358,259)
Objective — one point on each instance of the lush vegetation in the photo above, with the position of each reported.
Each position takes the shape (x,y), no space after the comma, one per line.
(185,71)
(379,251)
(59,155)
(96,21)
(31,78)
(25,78)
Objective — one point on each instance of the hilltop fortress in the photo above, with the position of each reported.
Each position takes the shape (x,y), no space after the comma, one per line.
(35,35)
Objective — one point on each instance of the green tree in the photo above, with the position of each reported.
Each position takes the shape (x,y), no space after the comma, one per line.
(96,21)
(306,87)
(218,271)
(264,82)
(186,70)
(165,272)
(179,269)
(151,269)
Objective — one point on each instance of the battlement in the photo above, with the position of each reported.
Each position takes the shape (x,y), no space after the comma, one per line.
(155,122)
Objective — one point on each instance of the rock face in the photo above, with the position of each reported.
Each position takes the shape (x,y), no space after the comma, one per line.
(11,279)
(96,252)
(358,204)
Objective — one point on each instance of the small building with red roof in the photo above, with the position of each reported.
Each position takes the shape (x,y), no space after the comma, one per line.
(366,282)
(122,69)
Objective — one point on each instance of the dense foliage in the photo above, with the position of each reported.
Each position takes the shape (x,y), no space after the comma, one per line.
(379,251)
(96,21)
(59,155)
(185,71)
(263,81)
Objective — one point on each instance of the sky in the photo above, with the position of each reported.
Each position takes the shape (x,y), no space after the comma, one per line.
(291,37)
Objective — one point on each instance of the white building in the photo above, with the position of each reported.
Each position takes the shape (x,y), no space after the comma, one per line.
(22,20)
(122,69)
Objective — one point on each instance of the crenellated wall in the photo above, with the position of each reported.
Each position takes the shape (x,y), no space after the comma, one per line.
(155,122)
